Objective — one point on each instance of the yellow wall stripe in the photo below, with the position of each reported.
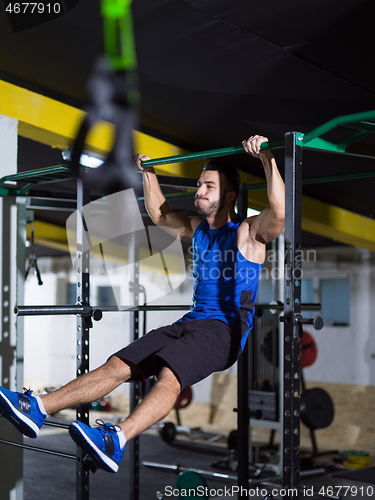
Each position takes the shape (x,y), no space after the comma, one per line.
(53,236)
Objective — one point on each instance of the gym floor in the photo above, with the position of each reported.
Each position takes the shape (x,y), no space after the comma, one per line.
(327,478)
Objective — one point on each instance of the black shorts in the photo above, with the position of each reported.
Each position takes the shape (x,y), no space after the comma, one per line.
(192,349)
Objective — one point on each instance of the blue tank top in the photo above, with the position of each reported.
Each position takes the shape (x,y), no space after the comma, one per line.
(226,283)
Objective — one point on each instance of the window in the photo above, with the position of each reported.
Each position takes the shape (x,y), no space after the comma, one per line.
(107,296)
(70,293)
(334,297)
(264,295)
(307,296)
(335,300)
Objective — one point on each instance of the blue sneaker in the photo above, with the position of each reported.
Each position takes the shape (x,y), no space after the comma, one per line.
(22,410)
(101,443)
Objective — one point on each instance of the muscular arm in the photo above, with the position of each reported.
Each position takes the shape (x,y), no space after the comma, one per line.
(158,207)
(270,222)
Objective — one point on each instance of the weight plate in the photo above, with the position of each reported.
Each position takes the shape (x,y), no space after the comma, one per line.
(354,453)
(188,482)
(357,462)
(184,399)
(168,432)
(317,409)
(309,350)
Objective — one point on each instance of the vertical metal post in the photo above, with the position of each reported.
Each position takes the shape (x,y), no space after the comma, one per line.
(11,332)
(281,292)
(243,431)
(83,323)
(11,338)
(292,311)
(20,288)
(135,387)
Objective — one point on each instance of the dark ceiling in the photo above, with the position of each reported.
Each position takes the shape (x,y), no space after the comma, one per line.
(213,72)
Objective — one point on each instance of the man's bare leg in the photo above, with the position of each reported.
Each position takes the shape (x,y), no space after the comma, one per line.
(100,382)
(105,445)
(90,386)
(155,406)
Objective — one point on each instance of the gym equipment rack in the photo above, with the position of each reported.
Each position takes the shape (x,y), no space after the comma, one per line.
(364,125)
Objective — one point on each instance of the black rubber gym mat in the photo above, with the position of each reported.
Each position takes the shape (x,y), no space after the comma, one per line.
(364,475)
(51,477)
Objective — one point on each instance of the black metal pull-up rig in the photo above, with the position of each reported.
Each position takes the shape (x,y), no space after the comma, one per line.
(364,124)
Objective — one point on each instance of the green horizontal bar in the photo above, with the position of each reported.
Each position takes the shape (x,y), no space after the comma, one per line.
(254,187)
(7,191)
(332,146)
(201,155)
(337,147)
(360,134)
(48,174)
(319,143)
(311,180)
(339,177)
(33,177)
(172,196)
(337,122)
(319,180)
(363,126)
(24,191)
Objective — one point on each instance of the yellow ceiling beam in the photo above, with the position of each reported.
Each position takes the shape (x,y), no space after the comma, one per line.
(328,220)
(48,121)
(338,224)
(55,124)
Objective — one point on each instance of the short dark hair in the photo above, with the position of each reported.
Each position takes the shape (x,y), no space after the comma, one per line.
(232,177)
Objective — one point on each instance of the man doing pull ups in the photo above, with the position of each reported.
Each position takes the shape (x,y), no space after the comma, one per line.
(228,254)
